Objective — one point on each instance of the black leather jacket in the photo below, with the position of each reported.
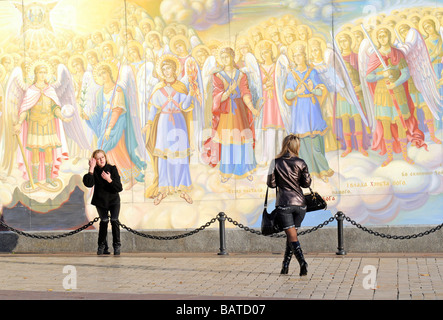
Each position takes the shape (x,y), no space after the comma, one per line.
(289,174)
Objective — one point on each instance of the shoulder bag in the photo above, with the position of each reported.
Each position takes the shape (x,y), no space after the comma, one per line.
(314,201)
(269,224)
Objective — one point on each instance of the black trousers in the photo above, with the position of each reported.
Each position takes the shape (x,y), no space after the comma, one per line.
(113,211)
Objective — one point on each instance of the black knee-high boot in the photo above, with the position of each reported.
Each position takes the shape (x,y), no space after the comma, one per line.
(116,236)
(102,234)
(286,259)
(298,253)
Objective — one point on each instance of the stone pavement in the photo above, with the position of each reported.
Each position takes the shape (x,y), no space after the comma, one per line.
(186,276)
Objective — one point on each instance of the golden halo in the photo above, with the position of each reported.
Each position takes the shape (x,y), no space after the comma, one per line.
(427,18)
(200,47)
(265,44)
(348,34)
(155,33)
(381,27)
(30,75)
(304,26)
(401,23)
(137,45)
(110,43)
(158,65)
(315,41)
(297,46)
(177,38)
(111,65)
(224,45)
(148,21)
(77,57)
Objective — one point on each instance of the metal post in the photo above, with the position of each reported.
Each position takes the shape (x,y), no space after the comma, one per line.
(340,217)
(221,220)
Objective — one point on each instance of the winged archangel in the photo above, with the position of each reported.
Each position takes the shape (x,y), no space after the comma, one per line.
(44,115)
(339,72)
(115,119)
(384,71)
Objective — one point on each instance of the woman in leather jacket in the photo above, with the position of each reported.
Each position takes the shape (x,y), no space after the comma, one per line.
(288,173)
(106,181)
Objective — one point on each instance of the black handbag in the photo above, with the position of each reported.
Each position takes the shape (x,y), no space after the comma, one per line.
(269,224)
(314,201)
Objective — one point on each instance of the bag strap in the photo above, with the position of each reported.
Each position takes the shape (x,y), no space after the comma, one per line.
(266,198)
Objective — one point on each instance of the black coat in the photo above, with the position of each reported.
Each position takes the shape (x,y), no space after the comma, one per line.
(289,174)
(105,193)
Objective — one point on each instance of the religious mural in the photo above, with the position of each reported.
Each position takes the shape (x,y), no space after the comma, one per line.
(192,99)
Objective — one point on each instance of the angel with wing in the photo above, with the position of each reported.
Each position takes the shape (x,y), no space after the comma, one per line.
(39,125)
(115,120)
(350,117)
(232,143)
(269,125)
(168,133)
(424,114)
(302,93)
(385,71)
(191,76)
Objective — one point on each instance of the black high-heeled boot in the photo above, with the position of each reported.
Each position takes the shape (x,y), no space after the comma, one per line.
(286,259)
(102,234)
(115,237)
(298,253)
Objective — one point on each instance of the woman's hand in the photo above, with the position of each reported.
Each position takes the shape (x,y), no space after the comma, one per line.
(106,176)
(92,164)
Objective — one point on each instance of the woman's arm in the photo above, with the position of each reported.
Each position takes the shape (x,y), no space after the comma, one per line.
(271,176)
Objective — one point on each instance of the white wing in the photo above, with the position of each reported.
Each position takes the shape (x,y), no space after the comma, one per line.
(15,91)
(281,75)
(340,80)
(252,70)
(193,78)
(145,83)
(64,87)
(88,93)
(209,68)
(127,82)
(421,70)
(364,53)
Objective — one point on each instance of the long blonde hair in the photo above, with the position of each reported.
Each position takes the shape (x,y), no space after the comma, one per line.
(291,145)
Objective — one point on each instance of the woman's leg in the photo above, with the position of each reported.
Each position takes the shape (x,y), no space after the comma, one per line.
(115,227)
(103,231)
(291,234)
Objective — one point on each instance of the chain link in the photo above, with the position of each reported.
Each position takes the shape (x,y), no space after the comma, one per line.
(279,235)
(236,223)
(207,224)
(52,237)
(388,236)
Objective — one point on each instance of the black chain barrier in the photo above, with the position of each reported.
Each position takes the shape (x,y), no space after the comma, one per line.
(51,237)
(221,217)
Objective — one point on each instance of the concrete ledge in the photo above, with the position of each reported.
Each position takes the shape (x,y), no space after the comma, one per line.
(237,241)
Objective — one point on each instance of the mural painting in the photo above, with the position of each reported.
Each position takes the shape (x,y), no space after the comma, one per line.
(192,99)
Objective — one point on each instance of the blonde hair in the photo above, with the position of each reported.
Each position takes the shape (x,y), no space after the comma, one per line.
(98,151)
(291,144)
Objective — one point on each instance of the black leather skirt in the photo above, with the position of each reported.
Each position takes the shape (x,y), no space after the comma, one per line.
(290,216)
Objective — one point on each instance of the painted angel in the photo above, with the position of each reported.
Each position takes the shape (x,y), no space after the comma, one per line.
(269,125)
(350,115)
(44,108)
(301,92)
(232,143)
(115,121)
(384,71)
(190,75)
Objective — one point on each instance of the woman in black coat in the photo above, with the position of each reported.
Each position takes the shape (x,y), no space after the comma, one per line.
(107,185)
(289,173)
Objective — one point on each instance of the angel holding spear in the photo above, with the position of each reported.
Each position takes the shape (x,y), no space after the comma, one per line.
(387,74)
